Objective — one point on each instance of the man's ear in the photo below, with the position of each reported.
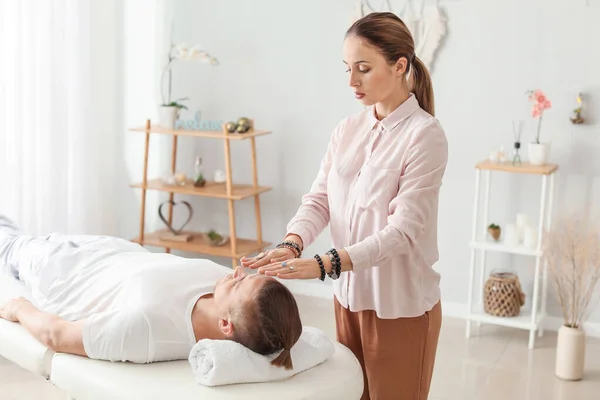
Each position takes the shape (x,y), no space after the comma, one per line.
(226,325)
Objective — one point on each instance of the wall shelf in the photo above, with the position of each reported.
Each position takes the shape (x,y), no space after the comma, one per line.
(211,189)
(199,245)
(203,134)
(504,248)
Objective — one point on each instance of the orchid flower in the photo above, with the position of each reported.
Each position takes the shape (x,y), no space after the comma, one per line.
(540,104)
(183,52)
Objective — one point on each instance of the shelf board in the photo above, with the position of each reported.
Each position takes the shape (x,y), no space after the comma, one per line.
(198,245)
(524,168)
(523,321)
(204,134)
(211,189)
(504,248)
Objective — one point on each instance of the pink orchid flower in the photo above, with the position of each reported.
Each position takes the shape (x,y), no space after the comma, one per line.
(540,103)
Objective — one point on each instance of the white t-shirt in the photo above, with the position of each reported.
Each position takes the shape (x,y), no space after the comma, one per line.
(136,305)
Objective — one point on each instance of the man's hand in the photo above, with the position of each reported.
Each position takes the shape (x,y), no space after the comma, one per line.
(8,311)
(52,331)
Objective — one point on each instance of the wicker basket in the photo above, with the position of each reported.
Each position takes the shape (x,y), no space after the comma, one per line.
(502,295)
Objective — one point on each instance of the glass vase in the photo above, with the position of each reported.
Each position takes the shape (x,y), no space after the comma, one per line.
(516,156)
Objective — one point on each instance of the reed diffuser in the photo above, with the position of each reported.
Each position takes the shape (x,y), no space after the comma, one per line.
(517,131)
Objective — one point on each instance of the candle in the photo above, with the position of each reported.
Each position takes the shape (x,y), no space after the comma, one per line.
(523,221)
(511,235)
(530,237)
(180,178)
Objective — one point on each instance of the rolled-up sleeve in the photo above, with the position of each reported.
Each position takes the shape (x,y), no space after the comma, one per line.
(410,212)
(313,214)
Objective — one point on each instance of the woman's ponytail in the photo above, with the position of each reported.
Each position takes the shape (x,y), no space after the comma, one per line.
(422,86)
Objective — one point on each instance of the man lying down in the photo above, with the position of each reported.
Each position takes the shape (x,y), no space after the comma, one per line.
(111,299)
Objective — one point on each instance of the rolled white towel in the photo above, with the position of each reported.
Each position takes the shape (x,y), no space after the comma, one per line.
(225,362)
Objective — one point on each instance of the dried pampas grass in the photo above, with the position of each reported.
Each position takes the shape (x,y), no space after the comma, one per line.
(572,251)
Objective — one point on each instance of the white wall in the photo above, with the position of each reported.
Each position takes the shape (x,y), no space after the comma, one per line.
(281,64)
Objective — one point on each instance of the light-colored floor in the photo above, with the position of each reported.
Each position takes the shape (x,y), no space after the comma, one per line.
(494,365)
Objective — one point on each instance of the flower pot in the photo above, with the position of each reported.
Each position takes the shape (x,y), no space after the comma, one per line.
(495,233)
(570,353)
(539,153)
(167,116)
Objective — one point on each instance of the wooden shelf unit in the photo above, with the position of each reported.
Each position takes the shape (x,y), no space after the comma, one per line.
(236,247)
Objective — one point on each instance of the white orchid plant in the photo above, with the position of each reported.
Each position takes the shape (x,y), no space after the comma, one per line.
(182,52)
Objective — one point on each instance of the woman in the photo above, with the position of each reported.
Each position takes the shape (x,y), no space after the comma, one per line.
(378,188)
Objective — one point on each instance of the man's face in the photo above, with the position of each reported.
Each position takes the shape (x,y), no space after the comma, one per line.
(236,290)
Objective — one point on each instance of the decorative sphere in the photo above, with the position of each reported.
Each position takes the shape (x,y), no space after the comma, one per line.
(243,125)
(231,127)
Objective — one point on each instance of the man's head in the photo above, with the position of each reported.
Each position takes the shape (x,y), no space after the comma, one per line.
(260,313)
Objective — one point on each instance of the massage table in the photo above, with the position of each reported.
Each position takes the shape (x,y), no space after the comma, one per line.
(340,377)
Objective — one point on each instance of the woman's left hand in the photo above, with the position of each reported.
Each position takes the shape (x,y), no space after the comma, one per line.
(296,268)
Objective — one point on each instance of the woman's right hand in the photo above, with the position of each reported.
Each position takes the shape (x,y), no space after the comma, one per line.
(268,257)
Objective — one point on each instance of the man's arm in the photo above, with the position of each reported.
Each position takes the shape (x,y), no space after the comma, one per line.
(52,331)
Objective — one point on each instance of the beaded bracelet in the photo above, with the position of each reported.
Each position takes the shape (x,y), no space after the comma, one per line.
(292,248)
(336,264)
(321,265)
(332,274)
(291,245)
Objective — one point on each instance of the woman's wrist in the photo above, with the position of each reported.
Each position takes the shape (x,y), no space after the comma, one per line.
(294,238)
(326,263)
(341,261)
(291,244)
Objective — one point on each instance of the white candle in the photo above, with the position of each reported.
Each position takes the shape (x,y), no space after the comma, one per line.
(523,220)
(530,237)
(511,235)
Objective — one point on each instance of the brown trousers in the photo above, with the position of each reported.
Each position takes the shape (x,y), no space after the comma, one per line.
(397,355)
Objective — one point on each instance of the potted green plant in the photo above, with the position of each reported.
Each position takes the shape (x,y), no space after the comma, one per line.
(572,251)
(215,239)
(494,231)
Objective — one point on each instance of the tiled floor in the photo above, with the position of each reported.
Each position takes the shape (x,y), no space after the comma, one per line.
(494,365)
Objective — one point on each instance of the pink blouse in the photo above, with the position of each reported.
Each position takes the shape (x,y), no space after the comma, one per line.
(378,188)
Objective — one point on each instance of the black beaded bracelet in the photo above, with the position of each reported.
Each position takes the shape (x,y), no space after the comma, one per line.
(336,263)
(321,265)
(332,274)
(293,245)
(292,248)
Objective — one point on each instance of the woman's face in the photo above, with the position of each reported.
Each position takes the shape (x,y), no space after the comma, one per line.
(371,78)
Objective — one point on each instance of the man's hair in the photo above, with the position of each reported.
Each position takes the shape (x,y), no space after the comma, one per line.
(270,322)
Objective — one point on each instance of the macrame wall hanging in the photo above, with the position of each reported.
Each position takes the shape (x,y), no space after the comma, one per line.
(424,19)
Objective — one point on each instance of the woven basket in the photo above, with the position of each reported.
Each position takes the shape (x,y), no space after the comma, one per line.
(502,295)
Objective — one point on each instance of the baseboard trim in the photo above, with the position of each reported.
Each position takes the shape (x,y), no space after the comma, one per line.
(449,309)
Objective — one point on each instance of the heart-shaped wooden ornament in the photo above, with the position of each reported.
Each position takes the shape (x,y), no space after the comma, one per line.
(174,204)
